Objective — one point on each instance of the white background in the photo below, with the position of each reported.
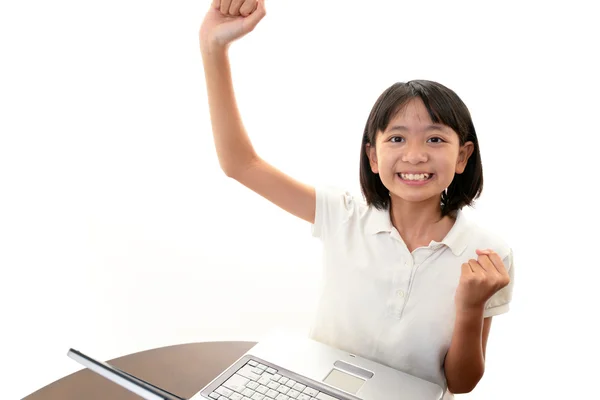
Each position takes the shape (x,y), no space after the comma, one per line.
(119,232)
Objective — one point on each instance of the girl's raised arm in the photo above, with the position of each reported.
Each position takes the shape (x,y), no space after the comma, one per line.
(225,22)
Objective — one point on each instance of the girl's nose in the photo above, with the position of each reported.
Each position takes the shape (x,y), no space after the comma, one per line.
(414,154)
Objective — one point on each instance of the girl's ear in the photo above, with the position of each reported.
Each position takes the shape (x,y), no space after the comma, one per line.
(464,153)
(372,154)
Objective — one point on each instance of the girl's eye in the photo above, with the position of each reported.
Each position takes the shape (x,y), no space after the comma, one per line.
(399,139)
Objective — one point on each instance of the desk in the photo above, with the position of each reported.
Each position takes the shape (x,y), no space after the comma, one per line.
(182,370)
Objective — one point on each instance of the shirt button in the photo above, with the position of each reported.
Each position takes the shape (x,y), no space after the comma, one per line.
(400,293)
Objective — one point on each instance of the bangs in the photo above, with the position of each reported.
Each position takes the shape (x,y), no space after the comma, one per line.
(442,107)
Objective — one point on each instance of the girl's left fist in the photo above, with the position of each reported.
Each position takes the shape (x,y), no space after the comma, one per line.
(479,280)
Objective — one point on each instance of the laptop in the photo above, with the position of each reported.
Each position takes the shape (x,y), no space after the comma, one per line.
(284,367)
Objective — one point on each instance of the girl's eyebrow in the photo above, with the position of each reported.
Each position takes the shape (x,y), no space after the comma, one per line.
(433,127)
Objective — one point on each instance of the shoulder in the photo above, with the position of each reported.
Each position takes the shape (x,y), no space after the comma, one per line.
(336,207)
(483,237)
(339,196)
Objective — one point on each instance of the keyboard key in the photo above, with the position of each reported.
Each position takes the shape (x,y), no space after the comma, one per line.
(273,385)
(261,366)
(282,397)
(246,372)
(253,363)
(215,395)
(264,380)
(257,396)
(300,387)
(303,396)
(223,398)
(236,396)
(283,389)
(252,385)
(236,383)
(271,371)
(223,391)
(283,380)
(293,393)
(310,391)
(248,392)
(257,370)
(276,377)
(272,393)
(262,389)
(290,383)
(324,396)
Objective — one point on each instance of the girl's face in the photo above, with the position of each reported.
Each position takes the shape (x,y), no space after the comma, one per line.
(415,158)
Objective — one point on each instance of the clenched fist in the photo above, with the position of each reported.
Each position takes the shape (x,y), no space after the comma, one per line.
(228,20)
(479,280)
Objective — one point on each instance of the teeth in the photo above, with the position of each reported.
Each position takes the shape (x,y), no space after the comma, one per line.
(415,177)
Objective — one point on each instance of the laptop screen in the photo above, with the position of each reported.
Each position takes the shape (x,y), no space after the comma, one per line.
(138,386)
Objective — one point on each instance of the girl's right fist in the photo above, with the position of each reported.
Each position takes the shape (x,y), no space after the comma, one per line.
(235,8)
(228,20)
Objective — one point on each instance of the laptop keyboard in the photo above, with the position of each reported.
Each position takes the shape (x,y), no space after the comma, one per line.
(256,381)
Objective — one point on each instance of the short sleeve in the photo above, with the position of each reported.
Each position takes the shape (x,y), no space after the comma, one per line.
(499,302)
(333,208)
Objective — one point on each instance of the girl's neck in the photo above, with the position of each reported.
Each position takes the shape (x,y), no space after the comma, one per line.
(419,223)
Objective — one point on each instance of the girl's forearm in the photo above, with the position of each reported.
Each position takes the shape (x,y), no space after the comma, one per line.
(234,148)
(464,364)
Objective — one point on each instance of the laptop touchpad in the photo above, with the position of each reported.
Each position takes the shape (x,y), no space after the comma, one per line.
(347,377)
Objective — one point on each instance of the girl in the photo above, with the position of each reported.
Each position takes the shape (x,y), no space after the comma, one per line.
(408,281)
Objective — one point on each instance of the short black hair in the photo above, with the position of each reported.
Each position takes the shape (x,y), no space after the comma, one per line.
(445,107)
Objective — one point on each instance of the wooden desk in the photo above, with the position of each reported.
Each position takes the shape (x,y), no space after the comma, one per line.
(182,370)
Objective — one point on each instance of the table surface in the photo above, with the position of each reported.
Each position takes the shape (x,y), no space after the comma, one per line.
(181,369)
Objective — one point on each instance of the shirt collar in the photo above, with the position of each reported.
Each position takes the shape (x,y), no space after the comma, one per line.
(456,239)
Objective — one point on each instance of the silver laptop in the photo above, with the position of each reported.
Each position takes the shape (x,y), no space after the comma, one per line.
(290,368)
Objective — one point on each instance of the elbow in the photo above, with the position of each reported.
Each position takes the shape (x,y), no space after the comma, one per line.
(229,168)
(229,172)
(461,389)
(235,170)
(466,385)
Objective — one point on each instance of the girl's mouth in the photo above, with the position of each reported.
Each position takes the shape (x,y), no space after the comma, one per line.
(415,179)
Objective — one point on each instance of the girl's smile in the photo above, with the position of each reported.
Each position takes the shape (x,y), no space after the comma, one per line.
(415,179)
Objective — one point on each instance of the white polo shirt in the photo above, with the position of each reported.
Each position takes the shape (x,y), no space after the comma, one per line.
(380,301)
